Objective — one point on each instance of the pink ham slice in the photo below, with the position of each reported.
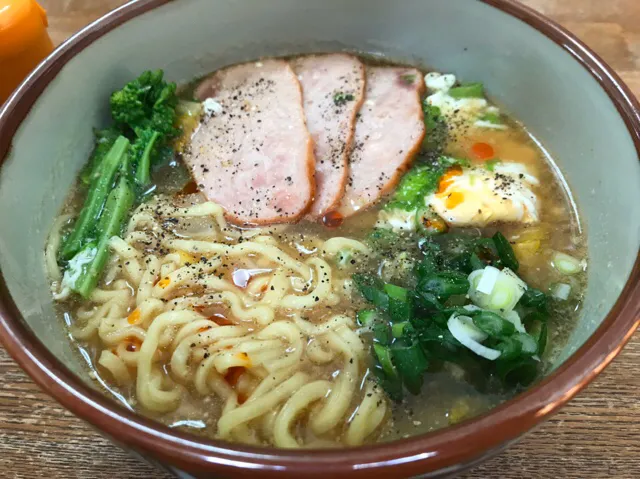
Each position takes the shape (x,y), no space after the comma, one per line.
(253,155)
(332,93)
(389,132)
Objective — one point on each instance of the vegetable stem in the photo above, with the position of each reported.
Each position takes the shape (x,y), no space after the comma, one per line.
(115,212)
(98,192)
(143,170)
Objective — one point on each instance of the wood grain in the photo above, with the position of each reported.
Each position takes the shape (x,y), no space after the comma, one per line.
(596,436)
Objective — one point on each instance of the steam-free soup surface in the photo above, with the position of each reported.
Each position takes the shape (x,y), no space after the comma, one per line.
(445,295)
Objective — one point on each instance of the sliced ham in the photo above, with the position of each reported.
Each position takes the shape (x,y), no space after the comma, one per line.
(253,154)
(389,131)
(332,93)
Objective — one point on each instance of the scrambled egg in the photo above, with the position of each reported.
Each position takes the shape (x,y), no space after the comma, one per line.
(475,196)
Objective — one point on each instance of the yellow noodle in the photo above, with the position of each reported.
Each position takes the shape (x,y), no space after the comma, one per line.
(301,362)
(295,406)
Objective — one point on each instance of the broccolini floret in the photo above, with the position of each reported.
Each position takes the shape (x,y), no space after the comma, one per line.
(145,110)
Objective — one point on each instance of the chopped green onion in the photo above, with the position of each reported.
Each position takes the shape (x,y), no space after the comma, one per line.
(488,280)
(411,363)
(382,333)
(518,372)
(529,344)
(561,291)
(399,329)
(444,285)
(436,128)
(471,329)
(475,262)
(460,331)
(539,332)
(384,357)
(510,348)
(534,298)
(566,264)
(514,318)
(506,293)
(372,289)
(493,325)
(468,90)
(505,251)
(366,317)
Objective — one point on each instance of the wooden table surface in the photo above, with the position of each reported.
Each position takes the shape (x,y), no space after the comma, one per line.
(596,436)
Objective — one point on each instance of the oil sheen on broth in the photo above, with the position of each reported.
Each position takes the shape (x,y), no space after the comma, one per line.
(398,320)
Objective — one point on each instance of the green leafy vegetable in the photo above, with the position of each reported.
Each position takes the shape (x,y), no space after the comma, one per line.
(468,90)
(144,113)
(400,302)
(366,317)
(494,325)
(517,372)
(539,331)
(411,326)
(534,298)
(505,252)
(372,289)
(491,118)
(399,330)
(84,227)
(104,141)
(411,363)
(445,284)
(418,182)
(421,181)
(146,110)
(111,222)
(436,130)
(148,102)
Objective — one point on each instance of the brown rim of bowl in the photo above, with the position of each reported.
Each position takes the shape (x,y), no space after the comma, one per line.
(442,449)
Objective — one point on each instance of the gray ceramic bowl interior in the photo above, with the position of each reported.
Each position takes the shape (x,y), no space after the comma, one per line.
(531,76)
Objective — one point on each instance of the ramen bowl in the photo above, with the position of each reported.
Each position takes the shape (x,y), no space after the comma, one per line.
(565,94)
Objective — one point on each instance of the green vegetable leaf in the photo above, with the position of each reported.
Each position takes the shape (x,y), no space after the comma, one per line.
(493,325)
(372,289)
(491,118)
(436,130)
(534,298)
(444,284)
(411,363)
(105,139)
(148,102)
(505,252)
(467,90)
